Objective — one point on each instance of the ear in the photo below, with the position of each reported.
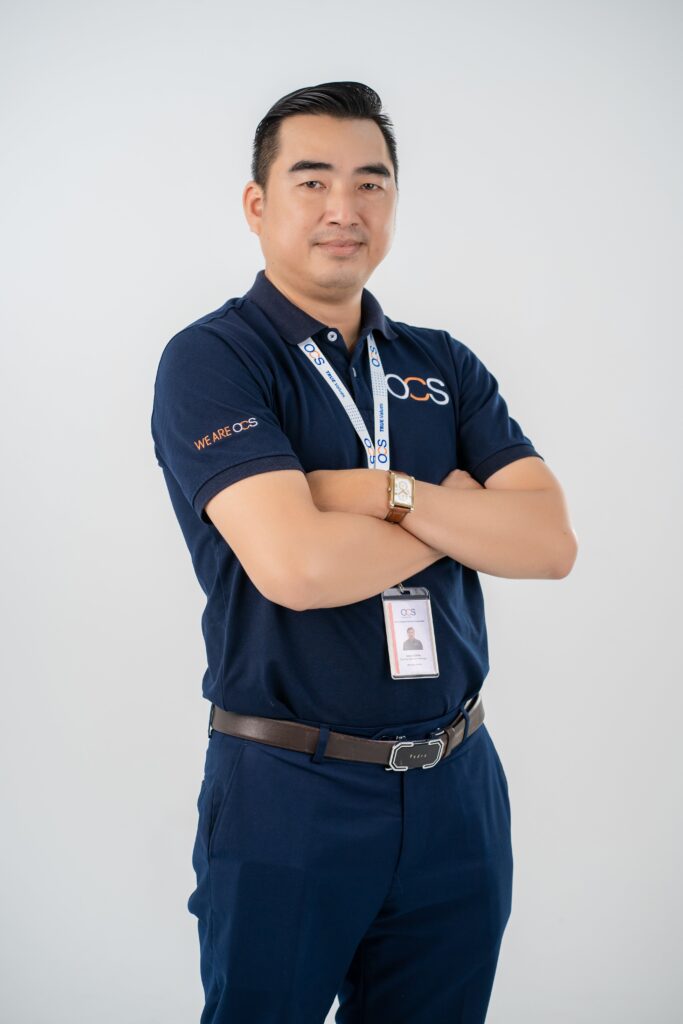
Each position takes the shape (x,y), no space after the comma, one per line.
(252,204)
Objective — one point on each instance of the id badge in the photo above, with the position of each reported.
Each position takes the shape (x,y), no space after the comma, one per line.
(410,632)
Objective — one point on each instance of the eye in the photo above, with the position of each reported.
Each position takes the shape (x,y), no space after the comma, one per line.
(372,186)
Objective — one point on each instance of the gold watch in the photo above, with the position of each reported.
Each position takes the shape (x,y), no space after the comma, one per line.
(401,489)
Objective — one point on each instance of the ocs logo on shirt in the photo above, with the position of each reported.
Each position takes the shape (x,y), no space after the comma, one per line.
(222,432)
(400,387)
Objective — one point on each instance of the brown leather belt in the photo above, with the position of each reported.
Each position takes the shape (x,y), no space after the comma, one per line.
(396,756)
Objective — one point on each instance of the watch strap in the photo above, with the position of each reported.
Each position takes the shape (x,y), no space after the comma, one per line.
(395,515)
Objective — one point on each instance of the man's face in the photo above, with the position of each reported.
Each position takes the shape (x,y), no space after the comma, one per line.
(303,209)
(411,632)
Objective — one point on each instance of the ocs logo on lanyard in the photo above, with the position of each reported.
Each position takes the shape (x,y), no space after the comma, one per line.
(407,610)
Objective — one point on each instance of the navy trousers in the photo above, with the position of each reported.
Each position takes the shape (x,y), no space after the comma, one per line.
(318,878)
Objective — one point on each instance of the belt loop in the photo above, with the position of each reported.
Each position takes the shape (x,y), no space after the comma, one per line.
(466,715)
(211,720)
(321,747)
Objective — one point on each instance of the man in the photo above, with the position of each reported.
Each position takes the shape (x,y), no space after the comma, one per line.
(336,475)
(411,642)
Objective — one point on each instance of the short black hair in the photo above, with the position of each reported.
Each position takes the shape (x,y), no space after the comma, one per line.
(338,99)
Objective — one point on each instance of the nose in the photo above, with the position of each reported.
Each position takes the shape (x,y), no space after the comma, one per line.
(341,208)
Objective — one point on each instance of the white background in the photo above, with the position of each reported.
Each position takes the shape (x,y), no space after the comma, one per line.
(540,223)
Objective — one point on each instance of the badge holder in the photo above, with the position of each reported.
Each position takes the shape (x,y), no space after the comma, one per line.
(410,632)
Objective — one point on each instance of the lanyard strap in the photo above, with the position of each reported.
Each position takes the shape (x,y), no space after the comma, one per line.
(377,453)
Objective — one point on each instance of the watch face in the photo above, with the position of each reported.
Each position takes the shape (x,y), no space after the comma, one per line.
(402,492)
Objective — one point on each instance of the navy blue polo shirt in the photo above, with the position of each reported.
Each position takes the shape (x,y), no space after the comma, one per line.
(234,396)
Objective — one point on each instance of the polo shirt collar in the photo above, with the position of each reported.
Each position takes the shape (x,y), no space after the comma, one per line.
(295,324)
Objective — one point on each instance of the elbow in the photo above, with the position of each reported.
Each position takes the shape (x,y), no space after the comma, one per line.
(297,595)
(308,590)
(564,554)
(304,593)
(292,574)
(293,588)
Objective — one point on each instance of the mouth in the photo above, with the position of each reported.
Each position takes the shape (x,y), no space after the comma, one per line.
(340,248)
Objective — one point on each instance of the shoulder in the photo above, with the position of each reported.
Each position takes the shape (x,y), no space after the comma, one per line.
(212,341)
(438,341)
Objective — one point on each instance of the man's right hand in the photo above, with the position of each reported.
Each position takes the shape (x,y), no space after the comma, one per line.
(461,479)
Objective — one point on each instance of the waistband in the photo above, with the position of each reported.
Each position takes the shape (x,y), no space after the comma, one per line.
(398,751)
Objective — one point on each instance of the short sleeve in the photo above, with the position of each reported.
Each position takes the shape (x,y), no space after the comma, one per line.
(488,437)
(212,421)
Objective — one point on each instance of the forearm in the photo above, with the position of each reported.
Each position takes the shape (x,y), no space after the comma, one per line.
(508,533)
(354,556)
(519,533)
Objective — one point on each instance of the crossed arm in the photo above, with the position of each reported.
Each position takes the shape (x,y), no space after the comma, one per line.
(517,526)
(320,540)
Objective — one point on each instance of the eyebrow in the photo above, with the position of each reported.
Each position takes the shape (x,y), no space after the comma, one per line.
(319,165)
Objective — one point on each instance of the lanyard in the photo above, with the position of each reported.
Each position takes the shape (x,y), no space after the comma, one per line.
(377,453)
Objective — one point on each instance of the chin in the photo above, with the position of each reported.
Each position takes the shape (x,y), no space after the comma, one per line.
(341,277)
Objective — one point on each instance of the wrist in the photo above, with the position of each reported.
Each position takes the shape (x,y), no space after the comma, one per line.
(370,492)
(381,493)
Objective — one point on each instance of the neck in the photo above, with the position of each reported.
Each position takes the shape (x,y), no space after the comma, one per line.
(344,316)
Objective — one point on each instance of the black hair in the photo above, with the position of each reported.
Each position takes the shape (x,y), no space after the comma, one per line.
(338,99)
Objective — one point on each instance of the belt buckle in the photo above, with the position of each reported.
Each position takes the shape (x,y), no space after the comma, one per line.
(416,751)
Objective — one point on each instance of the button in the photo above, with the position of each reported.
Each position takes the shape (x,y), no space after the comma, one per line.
(331,335)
